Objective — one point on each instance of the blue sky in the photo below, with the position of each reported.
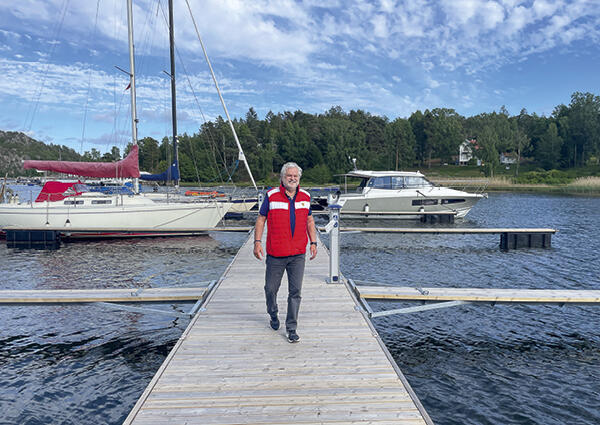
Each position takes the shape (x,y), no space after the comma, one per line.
(59,82)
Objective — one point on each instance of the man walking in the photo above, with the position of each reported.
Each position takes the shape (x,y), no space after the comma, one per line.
(286,210)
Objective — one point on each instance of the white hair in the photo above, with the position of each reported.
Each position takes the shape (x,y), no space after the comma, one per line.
(289,165)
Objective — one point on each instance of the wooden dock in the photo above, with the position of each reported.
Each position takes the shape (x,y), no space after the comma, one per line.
(129,295)
(230,367)
(510,238)
(484,295)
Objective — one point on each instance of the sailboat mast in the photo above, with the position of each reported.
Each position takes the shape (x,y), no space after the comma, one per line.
(173,92)
(134,119)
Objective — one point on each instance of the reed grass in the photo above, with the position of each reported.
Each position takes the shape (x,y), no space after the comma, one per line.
(590,181)
(581,185)
(500,181)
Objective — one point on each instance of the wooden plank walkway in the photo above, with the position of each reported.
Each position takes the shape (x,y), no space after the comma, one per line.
(230,367)
(38,296)
(496,295)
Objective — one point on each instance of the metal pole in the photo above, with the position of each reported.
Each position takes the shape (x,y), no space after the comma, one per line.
(134,119)
(173,94)
(334,239)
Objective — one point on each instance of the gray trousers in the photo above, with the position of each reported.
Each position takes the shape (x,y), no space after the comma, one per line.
(294,266)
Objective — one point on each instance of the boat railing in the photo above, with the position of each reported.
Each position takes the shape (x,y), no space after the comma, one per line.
(477,186)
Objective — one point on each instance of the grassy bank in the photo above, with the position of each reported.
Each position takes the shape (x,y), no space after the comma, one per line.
(579,186)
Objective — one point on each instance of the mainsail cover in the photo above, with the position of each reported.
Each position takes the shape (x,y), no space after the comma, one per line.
(171,173)
(127,167)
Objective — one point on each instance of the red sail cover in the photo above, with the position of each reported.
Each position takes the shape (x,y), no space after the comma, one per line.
(127,167)
(57,191)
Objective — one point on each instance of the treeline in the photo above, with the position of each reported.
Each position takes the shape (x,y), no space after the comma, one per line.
(323,144)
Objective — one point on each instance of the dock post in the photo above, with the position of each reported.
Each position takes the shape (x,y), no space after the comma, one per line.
(333,228)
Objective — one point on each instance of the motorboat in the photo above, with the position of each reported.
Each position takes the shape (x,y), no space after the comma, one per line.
(380,194)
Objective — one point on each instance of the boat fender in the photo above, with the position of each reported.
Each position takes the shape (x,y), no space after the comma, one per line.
(366,208)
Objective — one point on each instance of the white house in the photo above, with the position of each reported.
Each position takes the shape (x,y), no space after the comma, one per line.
(507,158)
(465,151)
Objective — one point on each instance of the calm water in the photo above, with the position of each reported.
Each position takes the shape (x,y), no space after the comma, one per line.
(468,365)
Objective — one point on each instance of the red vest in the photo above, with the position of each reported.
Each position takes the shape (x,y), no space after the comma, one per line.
(280,242)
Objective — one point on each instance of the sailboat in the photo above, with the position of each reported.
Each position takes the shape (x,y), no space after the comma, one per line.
(76,212)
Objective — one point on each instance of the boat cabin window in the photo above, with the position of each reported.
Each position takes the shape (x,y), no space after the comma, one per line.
(384,182)
(410,181)
(417,202)
(452,201)
(361,186)
(73,202)
(397,182)
(101,201)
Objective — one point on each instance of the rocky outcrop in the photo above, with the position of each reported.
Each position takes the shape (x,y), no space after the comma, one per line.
(15,147)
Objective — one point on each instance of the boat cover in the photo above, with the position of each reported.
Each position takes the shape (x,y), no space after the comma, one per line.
(171,173)
(127,167)
(57,191)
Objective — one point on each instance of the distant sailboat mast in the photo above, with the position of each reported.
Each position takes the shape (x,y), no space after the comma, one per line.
(134,119)
(173,93)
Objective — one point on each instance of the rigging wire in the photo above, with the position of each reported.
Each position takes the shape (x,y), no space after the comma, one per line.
(87,97)
(241,155)
(118,125)
(47,70)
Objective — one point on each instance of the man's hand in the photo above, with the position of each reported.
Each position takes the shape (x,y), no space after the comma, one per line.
(258,232)
(258,251)
(313,251)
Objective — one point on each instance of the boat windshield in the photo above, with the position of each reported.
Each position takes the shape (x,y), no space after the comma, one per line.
(362,185)
(398,182)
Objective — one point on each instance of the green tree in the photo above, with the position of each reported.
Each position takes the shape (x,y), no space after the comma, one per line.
(549,148)
(488,151)
(583,139)
(444,131)
(417,123)
(401,143)
(149,154)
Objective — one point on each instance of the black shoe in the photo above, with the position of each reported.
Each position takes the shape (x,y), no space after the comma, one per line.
(293,337)
(274,323)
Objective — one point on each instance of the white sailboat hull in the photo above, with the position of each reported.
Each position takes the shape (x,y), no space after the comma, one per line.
(126,216)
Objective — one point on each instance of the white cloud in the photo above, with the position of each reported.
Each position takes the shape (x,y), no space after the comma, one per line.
(380,28)
(313,54)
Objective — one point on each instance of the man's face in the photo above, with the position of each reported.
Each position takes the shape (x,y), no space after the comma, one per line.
(291,179)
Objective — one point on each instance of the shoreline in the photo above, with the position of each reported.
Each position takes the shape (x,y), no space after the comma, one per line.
(502,185)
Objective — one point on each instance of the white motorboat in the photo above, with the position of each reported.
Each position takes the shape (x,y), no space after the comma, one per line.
(402,192)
